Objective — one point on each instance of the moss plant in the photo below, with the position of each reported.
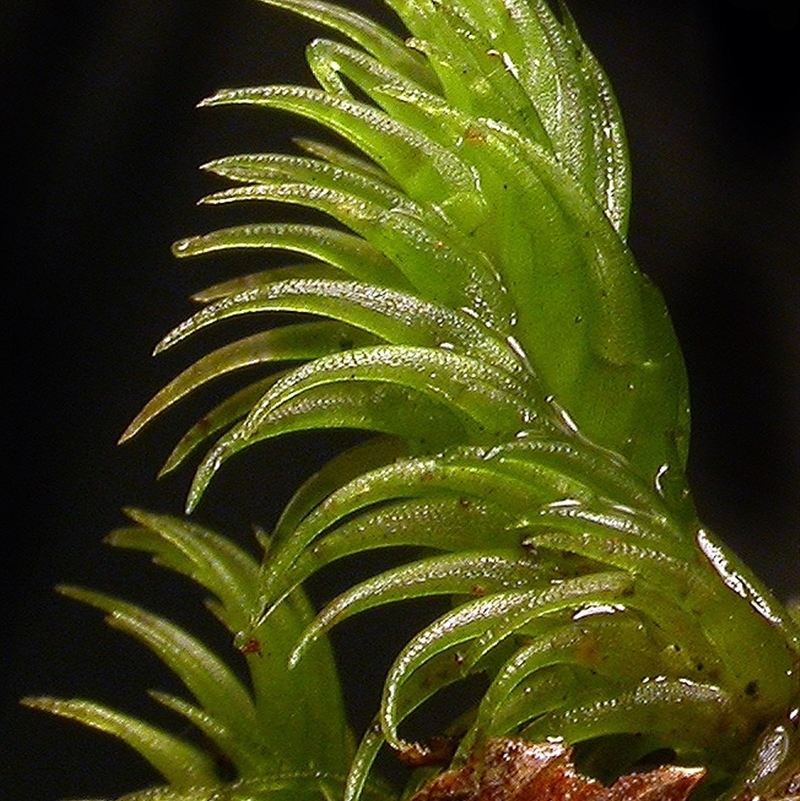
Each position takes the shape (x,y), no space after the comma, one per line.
(471,306)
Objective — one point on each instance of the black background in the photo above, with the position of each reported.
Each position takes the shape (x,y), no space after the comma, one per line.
(102,146)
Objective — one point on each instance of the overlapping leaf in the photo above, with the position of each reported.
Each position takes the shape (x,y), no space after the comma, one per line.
(476,310)
(254,727)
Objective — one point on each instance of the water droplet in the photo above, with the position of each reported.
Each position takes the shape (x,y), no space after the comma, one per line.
(658,481)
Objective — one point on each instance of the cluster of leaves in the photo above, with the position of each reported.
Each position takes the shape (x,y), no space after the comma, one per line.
(473,306)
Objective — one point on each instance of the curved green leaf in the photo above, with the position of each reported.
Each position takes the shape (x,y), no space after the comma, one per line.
(218,419)
(245,754)
(352,254)
(299,342)
(208,678)
(396,317)
(470,621)
(374,38)
(465,573)
(207,558)
(182,764)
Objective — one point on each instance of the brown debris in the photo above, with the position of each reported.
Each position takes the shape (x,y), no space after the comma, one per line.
(514,770)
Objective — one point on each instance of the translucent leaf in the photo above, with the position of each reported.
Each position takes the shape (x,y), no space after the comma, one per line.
(298,342)
(589,643)
(609,521)
(213,684)
(338,471)
(609,148)
(535,612)
(681,712)
(343,158)
(371,406)
(374,38)
(302,712)
(397,317)
(437,260)
(183,765)
(465,573)
(218,419)
(287,709)
(246,755)
(616,339)
(487,397)
(676,575)
(499,615)
(255,169)
(352,254)
(315,271)
(423,169)
(332,61)
(474,72)
(465,480)
(540,692)
(446,522)
(209,559)
(609,265)
(359,389)
(603,469)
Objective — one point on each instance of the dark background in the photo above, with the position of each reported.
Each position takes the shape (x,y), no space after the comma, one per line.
(100,177)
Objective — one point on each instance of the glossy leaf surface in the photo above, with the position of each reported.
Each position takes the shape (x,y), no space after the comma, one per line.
(472,306)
